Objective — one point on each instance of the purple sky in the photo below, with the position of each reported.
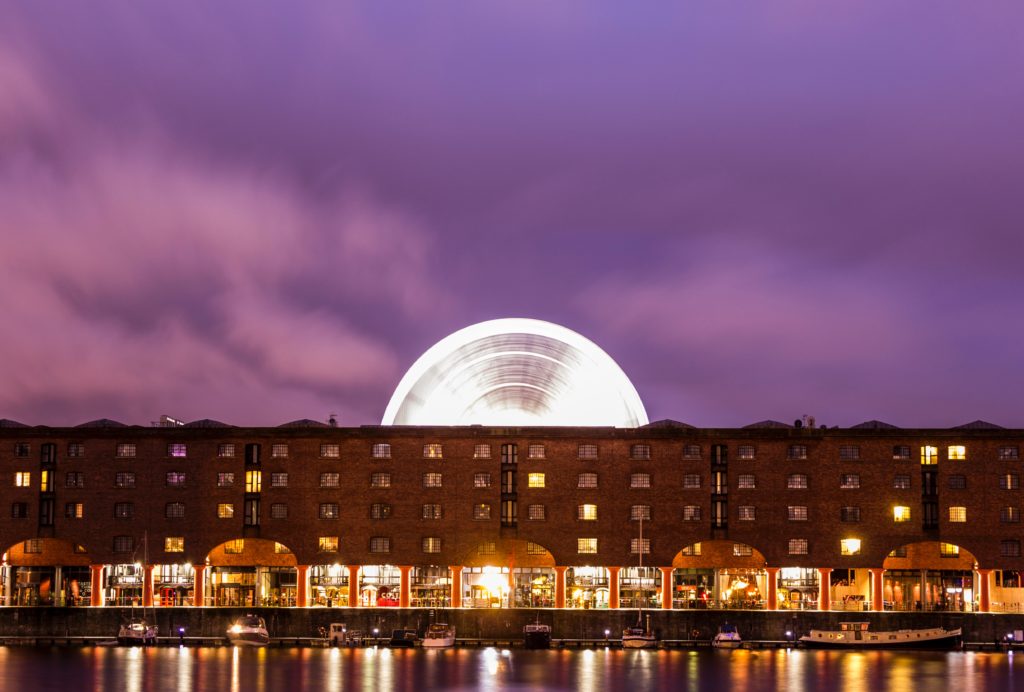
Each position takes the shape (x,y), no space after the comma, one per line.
(258,212)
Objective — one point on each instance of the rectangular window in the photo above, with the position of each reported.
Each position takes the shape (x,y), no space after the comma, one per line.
(849,546)
(741,550)
(225,480)
(849,481)
(1009,481)
(177,449)
(586,546)
(586,512)
(691,513)
(536,513)
(327,544)
(849,452)
(19,510)
(691,480)
(797,546)
(1009,453)
(745,452)
(1009,548)
(535,451)
(797,512)
(958,515)
(640,513)
(486,548)
(691,451)
(797,481)
(481,480)
(640,452)
(253,481)
(901,452)
(124,510)
(235,546)
(956,452)
(74,510)
(279,451)
(174,510)
(586,452)
(797,452)
(21,449)
(279,480)
(536,480)
(746,513)
(849,514)
(22,479)
(639,480)
(380,544)
(124,479)
(328,510)
(901,481)
(431,480)
(74,479)
(432,511)
(691,550)
(481,511)
(929,455)
(746,481)
(482,452)
(174,544)
(125,449)
(586,480)
(330,451)
(225,510)
(380,480)
(949,550)
(639,545)
(900,514)
(381,450)
(76,449)
(899,552)
(431,544)
(958,482)
(330,480)
(433,451)
(175,479)
(535,549)
(124,544)
(226,450)
(380,510)
(1009,515)
(251,507)
(278,510)
(510,454)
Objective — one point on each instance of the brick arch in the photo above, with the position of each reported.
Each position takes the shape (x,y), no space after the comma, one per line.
(255,551)
(925,555)
(508,552)
(719,553)
(55,551)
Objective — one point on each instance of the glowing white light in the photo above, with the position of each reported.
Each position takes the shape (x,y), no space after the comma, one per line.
(515,372)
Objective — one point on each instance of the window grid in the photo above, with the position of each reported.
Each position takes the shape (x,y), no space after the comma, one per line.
(432,480)
(640,480)
(586,480)
(381,450)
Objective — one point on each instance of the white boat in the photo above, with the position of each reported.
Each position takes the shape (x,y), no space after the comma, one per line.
(641,636)
(857,635)
(136,632)
(249,630)
(728,637)
(439,636)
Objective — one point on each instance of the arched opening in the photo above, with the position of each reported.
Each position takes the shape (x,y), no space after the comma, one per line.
(929,575)
(509,573)
(251,572)
(45,572)
(719,574)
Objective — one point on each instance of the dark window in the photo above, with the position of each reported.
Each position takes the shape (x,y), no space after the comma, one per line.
(252,512)
(958,482)
(849,514)
(124,510)
(19,510)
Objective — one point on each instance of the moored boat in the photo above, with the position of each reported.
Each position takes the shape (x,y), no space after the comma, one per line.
(403,639)
(728,637)
(857,635)
(439,636)
(537,636)
(136,632)
(249,630)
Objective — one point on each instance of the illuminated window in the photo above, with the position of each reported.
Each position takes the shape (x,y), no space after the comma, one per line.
(279,480)
(1009,515)
(797,546)
(124,479)
(536,451)
(328,510)
(901,481)
(797,512)
(1009,548)
(797,452)
(225,480)
(901,452)
(433,451)
(586,546)
(586,452)
(929,455)
(226,449)
(74,479)
(177,449)
(481,480)
(691,452)
(330,480)
(279,451)
(956,452)
(1009,453)
(899,552)
(380,480)
(253,481)
(640,480)
(949,550)
(746,513)
(691,513)
(327,544)
(797,481)
(586,480)
(535,549)
(481,511)
(125,450)
(281,549)
(745,452)
(742,550)
(849,452)
(278,510)
(76,449)
(381,450)
(431,511)
(19,510)
(174,510)
(235,546)
(691,550)
(330,451)
(175,479)
(746,481)
(900,513)
(849,546)
(849,481)
(174,544)
(640,512)
(431,544)
(124,510)
(639,545)
(482,452)
(486,548)
(640,452)
(1009,481)
(586,512)
(22,479)
(536,513)
(691,480)
(380,510)
(958,481)
(849,514)
(536,480)
(225,510)
(74,510)
(431,480)
(958,515)
(123,544)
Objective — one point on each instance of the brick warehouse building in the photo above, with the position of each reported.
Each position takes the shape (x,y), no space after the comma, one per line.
(768,516)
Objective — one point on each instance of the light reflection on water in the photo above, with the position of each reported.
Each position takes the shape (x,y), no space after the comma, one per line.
(265,670)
